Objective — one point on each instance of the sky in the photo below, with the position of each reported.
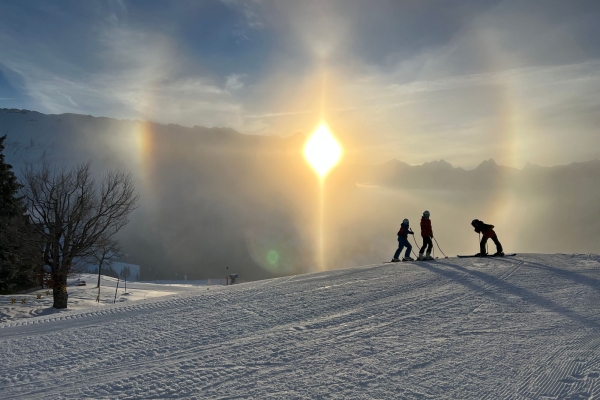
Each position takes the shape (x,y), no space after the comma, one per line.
(463,81)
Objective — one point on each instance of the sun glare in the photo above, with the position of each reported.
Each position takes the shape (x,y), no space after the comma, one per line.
(322,151)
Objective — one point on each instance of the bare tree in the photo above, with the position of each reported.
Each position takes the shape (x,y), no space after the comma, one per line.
(125,273)
(105,251)
(73,214)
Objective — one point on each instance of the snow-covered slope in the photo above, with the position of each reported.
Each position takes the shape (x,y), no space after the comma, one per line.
(525,327)
(83,298)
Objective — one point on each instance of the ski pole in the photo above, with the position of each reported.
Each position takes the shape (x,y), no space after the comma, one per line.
(415,240)
(416,244)
(436,242)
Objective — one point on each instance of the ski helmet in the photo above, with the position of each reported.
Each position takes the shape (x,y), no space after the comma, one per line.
(426,214)
(405,222)
(474,222)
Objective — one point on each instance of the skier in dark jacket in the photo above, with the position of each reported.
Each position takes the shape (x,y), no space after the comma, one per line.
(426,234)
(403,242)
(487,232)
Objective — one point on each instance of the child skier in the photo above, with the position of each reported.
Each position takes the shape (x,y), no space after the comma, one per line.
(427,235)
(403,242)
(487,232)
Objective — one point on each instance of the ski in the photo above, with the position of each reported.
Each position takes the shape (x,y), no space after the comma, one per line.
(491,255)
(401,261)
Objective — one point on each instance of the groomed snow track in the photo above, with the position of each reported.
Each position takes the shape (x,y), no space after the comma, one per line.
(525,327)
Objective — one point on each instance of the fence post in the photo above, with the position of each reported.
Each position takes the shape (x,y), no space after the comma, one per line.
(116,291)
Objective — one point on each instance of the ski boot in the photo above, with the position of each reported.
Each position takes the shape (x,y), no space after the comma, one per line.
(421,257)
(409,258)
(499,254)
(428,256)
(395,260)
(481,255)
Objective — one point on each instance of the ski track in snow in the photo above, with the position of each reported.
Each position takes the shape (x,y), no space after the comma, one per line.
(525,327)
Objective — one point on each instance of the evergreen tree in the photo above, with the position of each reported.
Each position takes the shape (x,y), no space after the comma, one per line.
(20,254)
(10,202)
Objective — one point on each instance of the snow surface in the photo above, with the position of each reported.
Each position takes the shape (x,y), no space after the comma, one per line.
(525,327)
(84,297)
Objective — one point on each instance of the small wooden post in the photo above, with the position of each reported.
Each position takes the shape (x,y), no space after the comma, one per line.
(116,291)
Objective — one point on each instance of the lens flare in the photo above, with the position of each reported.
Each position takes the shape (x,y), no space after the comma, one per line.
(272,257)
(322,151)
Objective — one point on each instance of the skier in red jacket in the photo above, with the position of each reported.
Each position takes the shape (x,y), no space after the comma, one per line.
(487,232)
(427,235)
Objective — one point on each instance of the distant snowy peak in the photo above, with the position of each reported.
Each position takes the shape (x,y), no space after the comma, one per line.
(440,165)
(592,164)
(394,163)
(488,164)
(431,165)
(486,176)
(584,164)
(530,166)
(437,165)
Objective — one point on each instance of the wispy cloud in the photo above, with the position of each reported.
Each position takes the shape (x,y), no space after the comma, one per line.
(249,10)
(234,82)
(142,77)
(534,76)
(280,114)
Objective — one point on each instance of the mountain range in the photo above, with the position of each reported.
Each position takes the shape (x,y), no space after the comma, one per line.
(214,200)
(487,175)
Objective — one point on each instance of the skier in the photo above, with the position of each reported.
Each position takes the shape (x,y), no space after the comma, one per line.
(427,235)
(403,242)
(487,232)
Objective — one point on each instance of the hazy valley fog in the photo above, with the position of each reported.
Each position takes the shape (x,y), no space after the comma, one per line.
(214,198)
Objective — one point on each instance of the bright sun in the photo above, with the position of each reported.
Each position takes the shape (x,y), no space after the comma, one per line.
(322,151)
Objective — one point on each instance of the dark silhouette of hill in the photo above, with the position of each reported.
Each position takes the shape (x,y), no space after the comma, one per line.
(205,191)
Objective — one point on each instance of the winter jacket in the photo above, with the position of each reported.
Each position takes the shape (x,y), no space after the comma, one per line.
(486,230)
(426,230)
(405,231)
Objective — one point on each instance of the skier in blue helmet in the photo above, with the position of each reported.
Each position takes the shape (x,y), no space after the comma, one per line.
(403,242)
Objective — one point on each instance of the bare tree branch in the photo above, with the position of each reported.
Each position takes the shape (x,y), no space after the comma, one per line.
(75,216)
